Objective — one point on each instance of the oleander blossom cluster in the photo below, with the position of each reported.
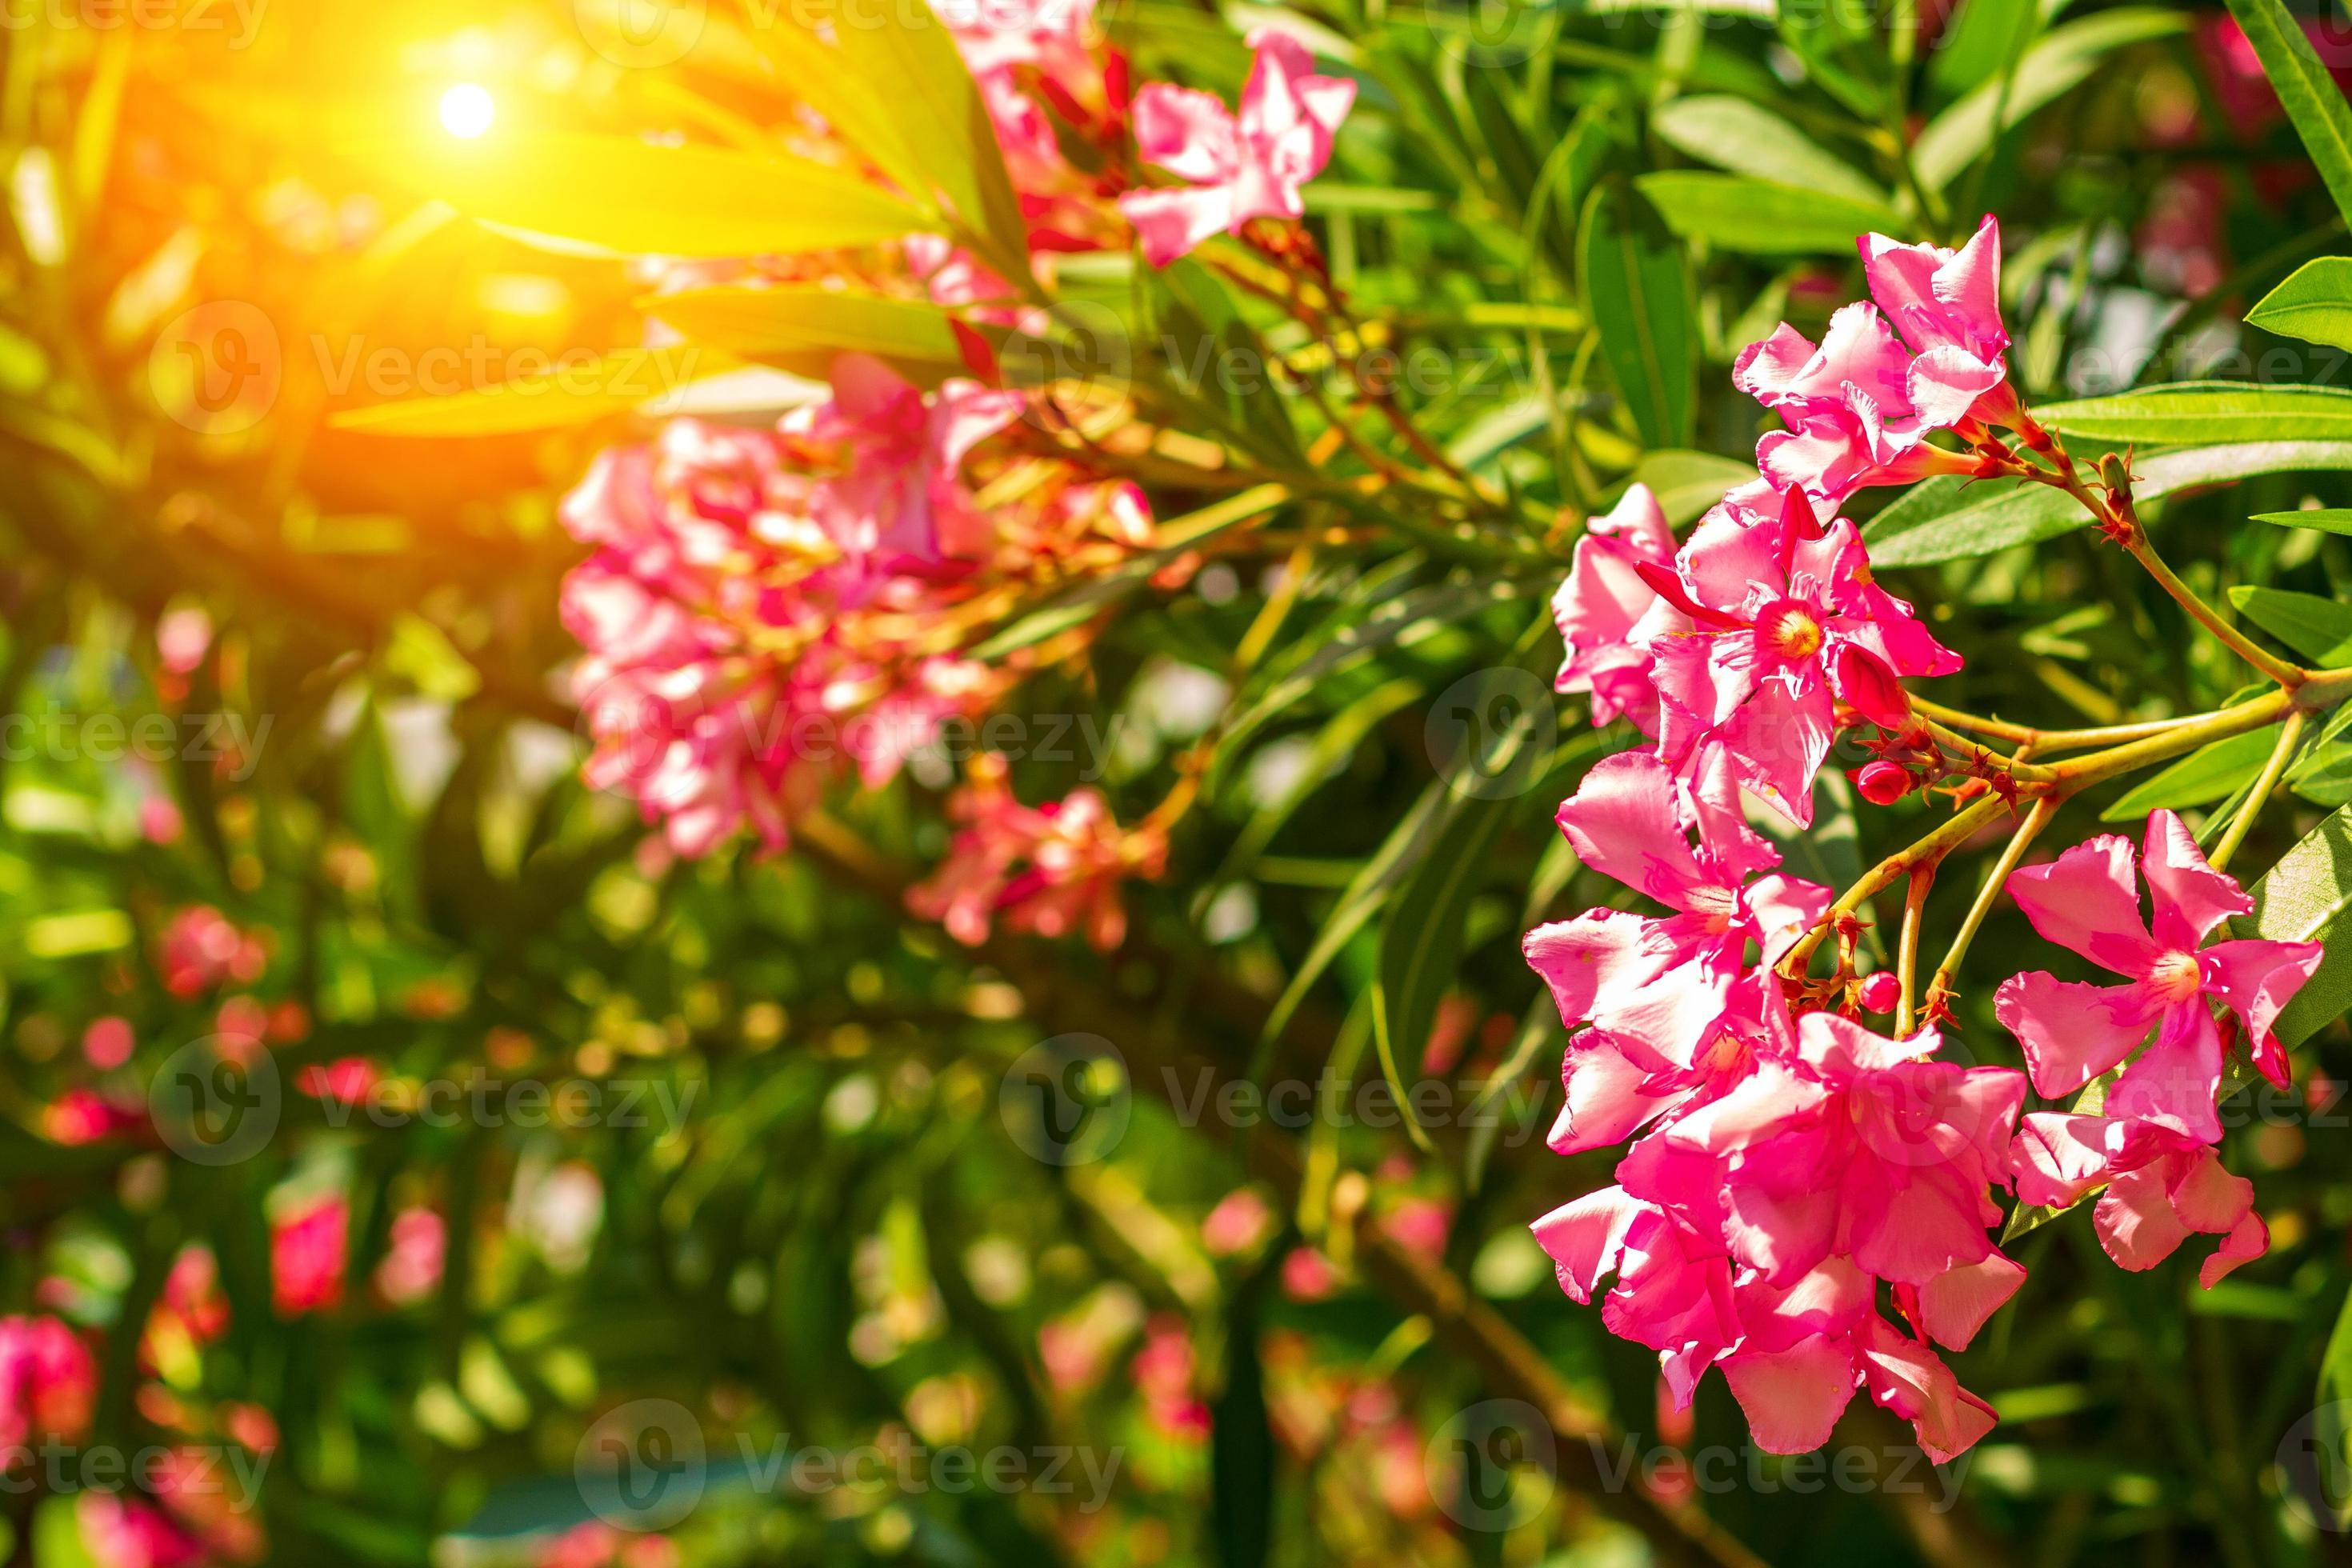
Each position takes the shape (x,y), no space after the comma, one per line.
(766,612)
(1805,1202)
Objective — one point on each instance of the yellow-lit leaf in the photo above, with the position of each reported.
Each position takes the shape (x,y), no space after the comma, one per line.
(639,198)
(801,328)
(573,392)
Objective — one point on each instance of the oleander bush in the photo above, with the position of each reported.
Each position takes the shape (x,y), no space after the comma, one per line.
(1031,781)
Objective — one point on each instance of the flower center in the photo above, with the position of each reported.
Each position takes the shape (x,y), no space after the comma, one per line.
(1791,633)
(2176,976)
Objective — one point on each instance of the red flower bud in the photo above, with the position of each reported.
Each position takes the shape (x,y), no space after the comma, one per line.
(1882,783)
(1881,991)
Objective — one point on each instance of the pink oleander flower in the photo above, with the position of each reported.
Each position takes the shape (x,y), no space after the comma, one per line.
(899,500)
(48,1382)
(2088,900)
(1861,406)
(1786,629)
(1852,1146)
(1858,408)
(1656,990)
(1237,167)
(2151,1142)
(2162,1188)
(308,1249)
(1054,869)
(1793,1355)
(1947,306)
(1608,614)
(753,607)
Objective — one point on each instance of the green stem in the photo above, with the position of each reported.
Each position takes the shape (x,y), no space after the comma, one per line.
(2280,754)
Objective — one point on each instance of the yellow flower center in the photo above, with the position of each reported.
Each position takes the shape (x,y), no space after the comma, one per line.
(2176,976)
(1792,634)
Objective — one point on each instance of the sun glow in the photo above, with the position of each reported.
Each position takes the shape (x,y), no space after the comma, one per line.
(467,110)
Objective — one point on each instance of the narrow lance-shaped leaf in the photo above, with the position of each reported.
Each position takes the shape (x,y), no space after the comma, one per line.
(1748,139)
(2314,304)
(1636,287)
(639,198)
(2311,99)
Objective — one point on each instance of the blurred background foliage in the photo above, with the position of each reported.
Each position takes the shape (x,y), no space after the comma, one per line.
(365,838)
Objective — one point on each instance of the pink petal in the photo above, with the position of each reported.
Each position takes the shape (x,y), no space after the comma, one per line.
(2071,1032)
(2135,1219)
(2173,1081)
(1865,683)
(2257,978)
(1792,1398)
(2205,1196)
(1912,1380)
(1586,1238)
(1784,909)
(1956,1304)
(1188,132)
(1169,223)
(1624,822)
(2057,1158)
(1604,1103)
(1594,960)
(2247,1240)
(2189,897)
(2086,901)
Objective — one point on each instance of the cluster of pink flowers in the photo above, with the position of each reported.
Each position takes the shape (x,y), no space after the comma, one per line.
(764,611)
(1053,869)
(1787,1161)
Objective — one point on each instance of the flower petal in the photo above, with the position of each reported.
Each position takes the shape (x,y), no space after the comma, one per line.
(2072,1031)
(2086,901)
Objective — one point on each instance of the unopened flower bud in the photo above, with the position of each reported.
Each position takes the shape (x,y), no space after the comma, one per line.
(1882,783)
(1881,991)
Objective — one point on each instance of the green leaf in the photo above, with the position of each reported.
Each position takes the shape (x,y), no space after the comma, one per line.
(1421,938)
(2314,304)
(1950,519)
(2207,775)
(641,198)
(1746,139)
(2310,95)
(2319,629)
(2307,897)
(1758,217)
(575,395)
(800,328)
(1635,285)
(1981,42)
(1687,483)
(2060,62)
(2207,411)
(908,59)
(2326,519)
